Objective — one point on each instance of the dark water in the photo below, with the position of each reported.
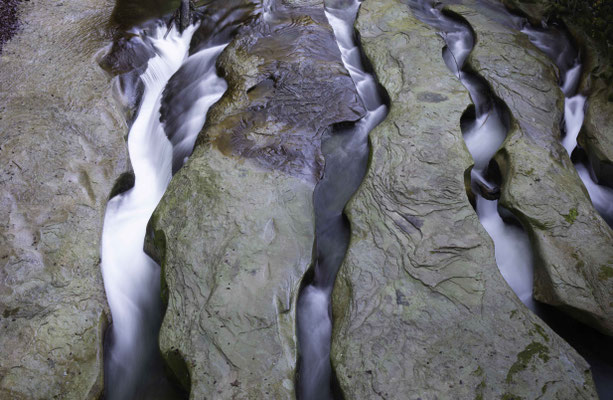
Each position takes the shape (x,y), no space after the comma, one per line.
(346,152)
(130,13)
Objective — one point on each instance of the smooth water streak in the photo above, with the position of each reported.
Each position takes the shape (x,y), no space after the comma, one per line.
(131,277)
(558,46)
(346,153)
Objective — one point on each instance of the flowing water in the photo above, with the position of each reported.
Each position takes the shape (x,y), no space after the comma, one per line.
(346,152)
(133,367)
(179,87)
(596,348)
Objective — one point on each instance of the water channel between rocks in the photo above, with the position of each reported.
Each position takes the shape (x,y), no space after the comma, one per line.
(160,141)
(133,363)
(346,152)
(484,128)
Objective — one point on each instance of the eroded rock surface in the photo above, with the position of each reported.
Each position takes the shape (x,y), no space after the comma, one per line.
(61,149)
(573,245)
(235,229)
(420,309)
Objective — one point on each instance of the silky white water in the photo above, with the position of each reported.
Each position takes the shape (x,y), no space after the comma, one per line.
(131,277)
(559,48)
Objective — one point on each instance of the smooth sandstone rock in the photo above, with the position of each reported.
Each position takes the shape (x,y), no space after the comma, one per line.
(420,309)
(61,148)
(573,245)
(235,230)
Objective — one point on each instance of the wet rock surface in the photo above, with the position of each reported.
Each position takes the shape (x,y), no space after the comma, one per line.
(540,184)
(585,22)
(420,309)
(235,230)
(62,149)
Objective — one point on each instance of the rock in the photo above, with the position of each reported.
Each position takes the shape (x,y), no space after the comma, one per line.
(62,149)
(420,309)
(540,184)
(235,230)
(9,21)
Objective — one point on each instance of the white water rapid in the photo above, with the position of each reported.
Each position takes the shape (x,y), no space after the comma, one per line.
(131,277)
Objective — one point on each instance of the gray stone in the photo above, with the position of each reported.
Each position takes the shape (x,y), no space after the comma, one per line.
(573,245)
(61,148)
(420,309)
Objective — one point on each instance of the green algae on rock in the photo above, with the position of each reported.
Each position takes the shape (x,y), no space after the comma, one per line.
(235,230)
(419,306)
(62,149)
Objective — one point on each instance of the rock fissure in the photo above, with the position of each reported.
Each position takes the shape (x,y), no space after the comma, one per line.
(559,210)
(254,169)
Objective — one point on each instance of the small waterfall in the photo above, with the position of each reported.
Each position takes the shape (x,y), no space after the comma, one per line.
(346,153)
(133,365)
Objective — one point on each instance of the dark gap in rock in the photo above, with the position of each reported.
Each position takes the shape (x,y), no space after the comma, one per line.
(124,183)
(9,20)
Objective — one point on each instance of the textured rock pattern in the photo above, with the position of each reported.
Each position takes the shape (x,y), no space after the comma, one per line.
(420,309)
(540,184)
(61,148)
(234,232)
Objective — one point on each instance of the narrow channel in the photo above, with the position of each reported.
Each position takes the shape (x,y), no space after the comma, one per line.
(346,152)
(484,128)
(159,142)
(557,44)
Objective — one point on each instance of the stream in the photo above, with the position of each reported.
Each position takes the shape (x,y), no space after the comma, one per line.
(181,84)
(346,152)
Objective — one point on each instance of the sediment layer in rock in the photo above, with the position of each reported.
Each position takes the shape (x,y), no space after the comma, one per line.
(420,309)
